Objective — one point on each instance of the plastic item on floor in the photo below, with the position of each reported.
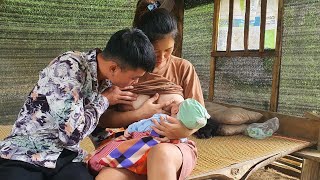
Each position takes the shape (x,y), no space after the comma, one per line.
(263,130)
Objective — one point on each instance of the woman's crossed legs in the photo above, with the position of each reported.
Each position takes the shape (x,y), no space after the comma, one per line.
(164,163)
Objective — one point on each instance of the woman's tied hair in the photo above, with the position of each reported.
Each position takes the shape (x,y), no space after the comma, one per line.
(142,8)
(153,6)
(157,24)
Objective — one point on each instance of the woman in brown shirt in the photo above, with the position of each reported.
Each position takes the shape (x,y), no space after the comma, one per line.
(170,161)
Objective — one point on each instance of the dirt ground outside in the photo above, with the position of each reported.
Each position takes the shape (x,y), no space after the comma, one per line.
(269,174)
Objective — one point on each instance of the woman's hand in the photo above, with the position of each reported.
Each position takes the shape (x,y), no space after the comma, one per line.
(173,129)
(116,95)
(149,107)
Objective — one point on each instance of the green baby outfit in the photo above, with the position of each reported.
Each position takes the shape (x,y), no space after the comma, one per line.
(192,114)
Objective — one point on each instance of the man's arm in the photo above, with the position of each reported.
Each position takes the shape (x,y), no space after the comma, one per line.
(61,83)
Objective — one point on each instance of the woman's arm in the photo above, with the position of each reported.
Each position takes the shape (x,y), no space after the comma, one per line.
(114,119)
(172,129)
(191,84)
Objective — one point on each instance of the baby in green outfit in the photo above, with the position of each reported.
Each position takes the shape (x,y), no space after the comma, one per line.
(190,112)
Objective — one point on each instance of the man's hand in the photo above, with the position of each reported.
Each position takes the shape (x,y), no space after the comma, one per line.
(173,129)
(149,107)
(116,95)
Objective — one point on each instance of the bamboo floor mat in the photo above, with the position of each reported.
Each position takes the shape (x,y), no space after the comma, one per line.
(223,151)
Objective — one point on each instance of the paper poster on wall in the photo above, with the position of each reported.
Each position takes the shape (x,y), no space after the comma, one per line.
(254,25)
(255,22)
(223,25)
(237,38)
(271,24)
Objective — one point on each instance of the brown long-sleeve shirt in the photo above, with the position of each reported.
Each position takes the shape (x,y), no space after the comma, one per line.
(178,71)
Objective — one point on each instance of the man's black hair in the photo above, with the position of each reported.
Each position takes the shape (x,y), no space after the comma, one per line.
(157,24)
(131,49)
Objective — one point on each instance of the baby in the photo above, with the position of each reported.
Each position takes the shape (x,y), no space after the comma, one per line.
(190,112)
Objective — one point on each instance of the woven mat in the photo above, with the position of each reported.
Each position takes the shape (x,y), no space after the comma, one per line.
(220,152)
(4,131)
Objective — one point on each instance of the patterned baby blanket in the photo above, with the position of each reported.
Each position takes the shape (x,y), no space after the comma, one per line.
(123,152)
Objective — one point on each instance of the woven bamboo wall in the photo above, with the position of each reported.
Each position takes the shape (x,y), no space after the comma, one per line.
(196,47)
(300,70)
(33,32)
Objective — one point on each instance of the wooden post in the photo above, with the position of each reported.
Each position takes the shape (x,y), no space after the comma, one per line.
(311,166)
(263,24)
(214,48)
(178,11)
(246,26)
(277,62)
(318,147)
(230,24)
(310,170)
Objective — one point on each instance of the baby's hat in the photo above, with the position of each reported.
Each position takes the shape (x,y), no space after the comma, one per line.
(192,114)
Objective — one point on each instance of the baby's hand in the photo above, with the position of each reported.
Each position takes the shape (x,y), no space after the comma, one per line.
(166,111)
(126,133)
